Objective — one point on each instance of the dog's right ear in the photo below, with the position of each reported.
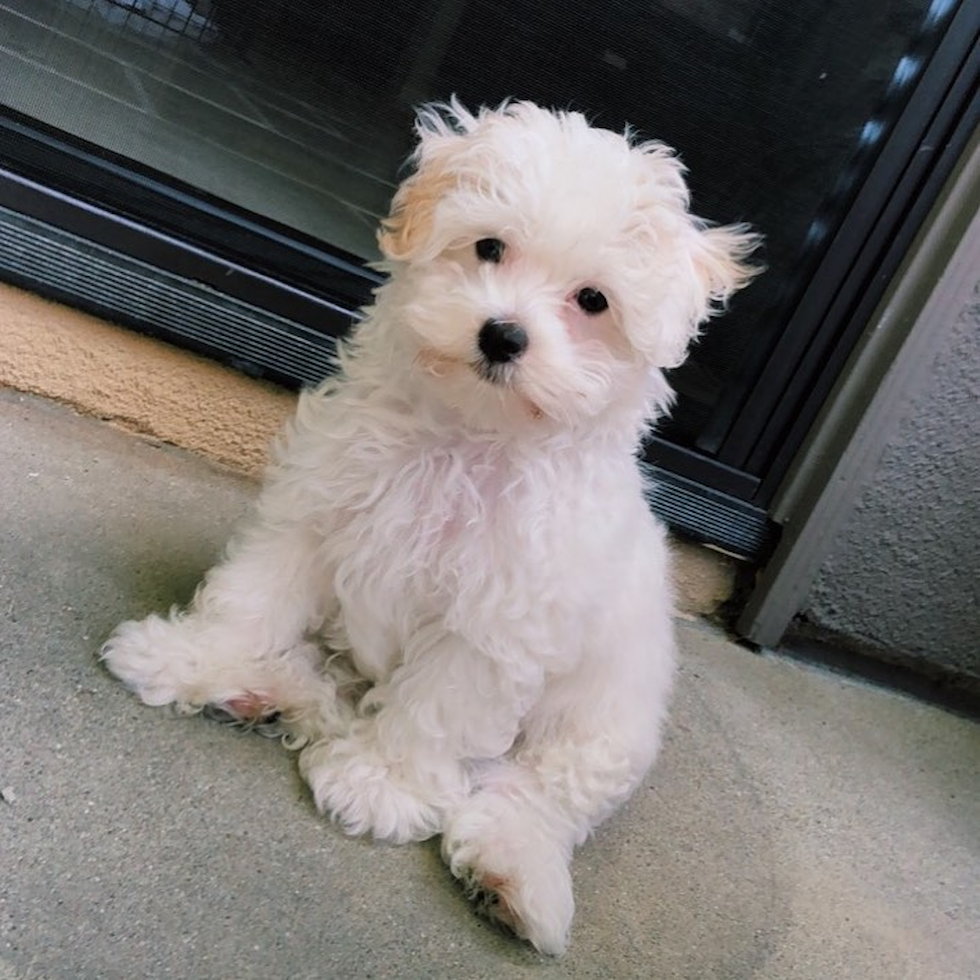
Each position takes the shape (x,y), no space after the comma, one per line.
(406,233)
(408,228)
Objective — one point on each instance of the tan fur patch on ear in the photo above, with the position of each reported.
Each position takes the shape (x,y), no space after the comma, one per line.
(407,229)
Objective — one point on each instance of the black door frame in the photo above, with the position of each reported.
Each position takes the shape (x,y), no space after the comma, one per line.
(61,187)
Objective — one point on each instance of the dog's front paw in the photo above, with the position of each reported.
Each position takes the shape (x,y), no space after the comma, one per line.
(513,871)
(365,795)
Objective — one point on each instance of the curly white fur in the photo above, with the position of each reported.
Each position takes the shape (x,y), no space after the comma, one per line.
(452,592)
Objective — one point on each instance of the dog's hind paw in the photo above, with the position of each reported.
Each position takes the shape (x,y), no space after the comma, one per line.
(363,794)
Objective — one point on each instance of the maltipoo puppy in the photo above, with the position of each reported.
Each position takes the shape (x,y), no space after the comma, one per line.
(452,596)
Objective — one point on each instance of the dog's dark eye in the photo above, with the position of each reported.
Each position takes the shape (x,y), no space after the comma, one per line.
(591,300)
(490,250)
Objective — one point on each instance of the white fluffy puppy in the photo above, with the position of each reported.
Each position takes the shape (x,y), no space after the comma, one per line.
(452,595)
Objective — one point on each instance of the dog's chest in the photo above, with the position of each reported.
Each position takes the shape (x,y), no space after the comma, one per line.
(442,507)
(447,533)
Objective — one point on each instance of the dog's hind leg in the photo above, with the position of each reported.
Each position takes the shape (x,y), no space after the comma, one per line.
(404,761)
(241,646)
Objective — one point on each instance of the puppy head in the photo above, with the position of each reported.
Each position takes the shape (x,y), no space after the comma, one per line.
(548,269)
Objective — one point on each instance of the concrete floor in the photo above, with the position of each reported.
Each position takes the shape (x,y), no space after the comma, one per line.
(799,825)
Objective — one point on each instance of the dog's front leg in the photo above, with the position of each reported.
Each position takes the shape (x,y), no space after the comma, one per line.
(510,841)
(407,758)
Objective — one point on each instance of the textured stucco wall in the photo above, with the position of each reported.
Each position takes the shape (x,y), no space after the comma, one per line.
(138,383)
(904,573)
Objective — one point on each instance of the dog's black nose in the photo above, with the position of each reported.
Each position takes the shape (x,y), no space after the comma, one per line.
(502,341)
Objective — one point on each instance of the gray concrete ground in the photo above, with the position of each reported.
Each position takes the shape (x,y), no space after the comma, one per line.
(799,825)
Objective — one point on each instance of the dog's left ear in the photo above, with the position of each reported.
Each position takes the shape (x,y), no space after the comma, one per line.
(721,263)
(720,267)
